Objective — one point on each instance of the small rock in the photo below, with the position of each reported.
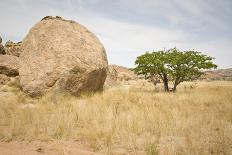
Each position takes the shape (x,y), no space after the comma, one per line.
(39,150)
(13,48)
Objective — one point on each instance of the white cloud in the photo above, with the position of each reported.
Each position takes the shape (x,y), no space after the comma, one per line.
(124,40)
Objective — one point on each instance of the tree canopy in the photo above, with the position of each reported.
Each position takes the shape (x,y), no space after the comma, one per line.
(173,65)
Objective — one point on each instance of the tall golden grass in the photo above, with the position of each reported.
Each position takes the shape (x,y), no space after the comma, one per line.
(135,120)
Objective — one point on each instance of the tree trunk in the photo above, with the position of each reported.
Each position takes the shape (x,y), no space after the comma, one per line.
(174,88)
(175,85)
(165,80)
(177,81)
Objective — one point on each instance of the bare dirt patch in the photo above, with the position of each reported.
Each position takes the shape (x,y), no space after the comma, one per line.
(45,148)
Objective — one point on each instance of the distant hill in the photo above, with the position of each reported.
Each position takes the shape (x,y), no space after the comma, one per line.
(220,74)
(120,73)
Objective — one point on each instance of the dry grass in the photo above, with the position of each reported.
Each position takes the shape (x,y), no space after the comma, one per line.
(135,120)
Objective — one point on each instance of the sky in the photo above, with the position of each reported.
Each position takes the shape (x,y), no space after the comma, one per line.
(129,28)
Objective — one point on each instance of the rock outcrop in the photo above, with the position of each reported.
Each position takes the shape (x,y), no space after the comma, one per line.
(118,74)
(124,74)
(12,48)
(112,76)
(9,65)
(2,49)
(61,54)
(4,79)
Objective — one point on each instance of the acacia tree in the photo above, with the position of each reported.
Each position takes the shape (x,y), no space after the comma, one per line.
(173,65)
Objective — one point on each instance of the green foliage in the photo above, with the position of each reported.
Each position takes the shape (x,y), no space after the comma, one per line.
(173,65)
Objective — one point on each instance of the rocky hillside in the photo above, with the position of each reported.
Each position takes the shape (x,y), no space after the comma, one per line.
(220,74)
(119,75)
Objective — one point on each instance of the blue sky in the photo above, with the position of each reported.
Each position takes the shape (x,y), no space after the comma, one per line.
(128,28)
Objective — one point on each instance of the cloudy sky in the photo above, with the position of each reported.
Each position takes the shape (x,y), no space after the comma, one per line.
(128,28)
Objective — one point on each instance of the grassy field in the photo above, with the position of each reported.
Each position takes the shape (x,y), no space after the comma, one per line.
(138,119)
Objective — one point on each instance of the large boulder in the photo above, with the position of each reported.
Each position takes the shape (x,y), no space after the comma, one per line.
(61,54)
(12,48)
(9,65)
